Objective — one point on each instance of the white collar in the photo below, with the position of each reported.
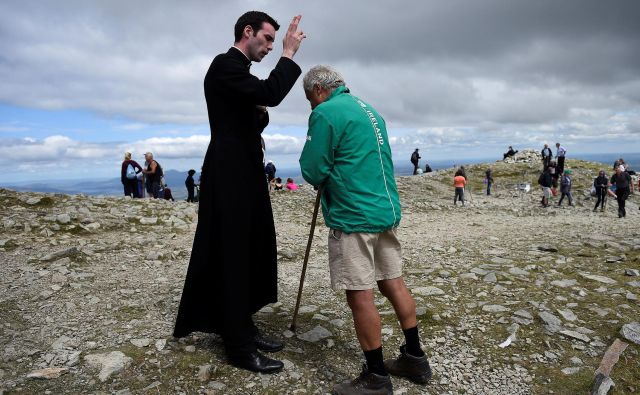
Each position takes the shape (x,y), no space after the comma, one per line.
(241,52)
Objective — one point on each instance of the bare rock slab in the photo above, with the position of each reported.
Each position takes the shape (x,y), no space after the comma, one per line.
(108,363)
(631,332)
(564,283)
(428,291)
(611,356)
(601,279)
(522,317)
(47,373)
(518,272)
(549,318)
(575,335)
(602,385)
(140,342)
(315,335)
(60,254)
(148,220)
(567,314)
(494,308)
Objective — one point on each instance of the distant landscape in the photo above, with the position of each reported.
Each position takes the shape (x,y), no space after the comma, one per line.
(175,178)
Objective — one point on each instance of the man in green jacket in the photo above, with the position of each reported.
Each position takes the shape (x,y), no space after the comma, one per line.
(347,154)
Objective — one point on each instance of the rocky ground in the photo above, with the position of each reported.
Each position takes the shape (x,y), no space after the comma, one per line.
(91,287)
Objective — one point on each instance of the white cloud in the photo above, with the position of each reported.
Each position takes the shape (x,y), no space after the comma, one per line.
(450,77)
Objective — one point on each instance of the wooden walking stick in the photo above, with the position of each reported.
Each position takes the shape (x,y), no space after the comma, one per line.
(306,259)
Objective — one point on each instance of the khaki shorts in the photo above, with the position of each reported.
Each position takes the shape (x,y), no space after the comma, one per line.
(546,192)
(358,260)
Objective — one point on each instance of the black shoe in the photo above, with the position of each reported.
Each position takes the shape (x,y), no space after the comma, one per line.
(267,345)
(367,383)
(416,369)
(256,362)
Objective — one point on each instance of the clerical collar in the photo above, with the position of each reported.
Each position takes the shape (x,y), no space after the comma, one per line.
(243,54)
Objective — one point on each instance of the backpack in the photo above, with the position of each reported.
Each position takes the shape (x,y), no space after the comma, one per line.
(159,171)
(131,172)
(414,157)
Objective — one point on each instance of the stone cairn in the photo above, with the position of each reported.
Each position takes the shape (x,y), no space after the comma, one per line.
(524,156)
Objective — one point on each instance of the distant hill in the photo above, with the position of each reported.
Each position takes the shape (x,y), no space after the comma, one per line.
(175,178)
(110,187)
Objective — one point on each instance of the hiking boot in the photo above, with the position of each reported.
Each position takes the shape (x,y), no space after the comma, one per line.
(366,384)
(416,369)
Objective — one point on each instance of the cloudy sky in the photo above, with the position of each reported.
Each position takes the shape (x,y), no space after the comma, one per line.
(81,82)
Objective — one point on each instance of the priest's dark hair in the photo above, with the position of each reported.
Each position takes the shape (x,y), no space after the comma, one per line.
(255,20)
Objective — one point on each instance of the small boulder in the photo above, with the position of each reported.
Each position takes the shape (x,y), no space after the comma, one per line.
(427,291)
(631,332)
(108,363)
(63,218)
(148,220)
(316,334)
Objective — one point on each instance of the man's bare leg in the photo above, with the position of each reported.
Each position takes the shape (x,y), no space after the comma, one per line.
(405,307)
(366,320)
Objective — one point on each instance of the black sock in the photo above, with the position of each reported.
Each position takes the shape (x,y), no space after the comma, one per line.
(413,341)
(375,363)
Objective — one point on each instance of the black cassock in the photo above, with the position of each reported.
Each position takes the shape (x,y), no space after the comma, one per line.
(233,268)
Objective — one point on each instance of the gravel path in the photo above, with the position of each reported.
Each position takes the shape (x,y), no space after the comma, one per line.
(91,287)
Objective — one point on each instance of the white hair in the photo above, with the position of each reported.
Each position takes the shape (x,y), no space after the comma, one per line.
(323,76)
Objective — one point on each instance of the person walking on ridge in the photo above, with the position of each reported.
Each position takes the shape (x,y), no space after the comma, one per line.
(565,187)
(601,184)
(489,180)
(191,186)
(459,182)
(545,181)
(622,181)
(415,160)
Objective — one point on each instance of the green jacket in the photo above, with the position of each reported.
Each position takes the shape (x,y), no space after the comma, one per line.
(347,152)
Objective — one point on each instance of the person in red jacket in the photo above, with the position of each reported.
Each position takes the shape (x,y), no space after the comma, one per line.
(459,182)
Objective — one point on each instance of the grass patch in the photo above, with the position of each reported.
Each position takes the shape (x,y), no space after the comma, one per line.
(127,313)
(550,378)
